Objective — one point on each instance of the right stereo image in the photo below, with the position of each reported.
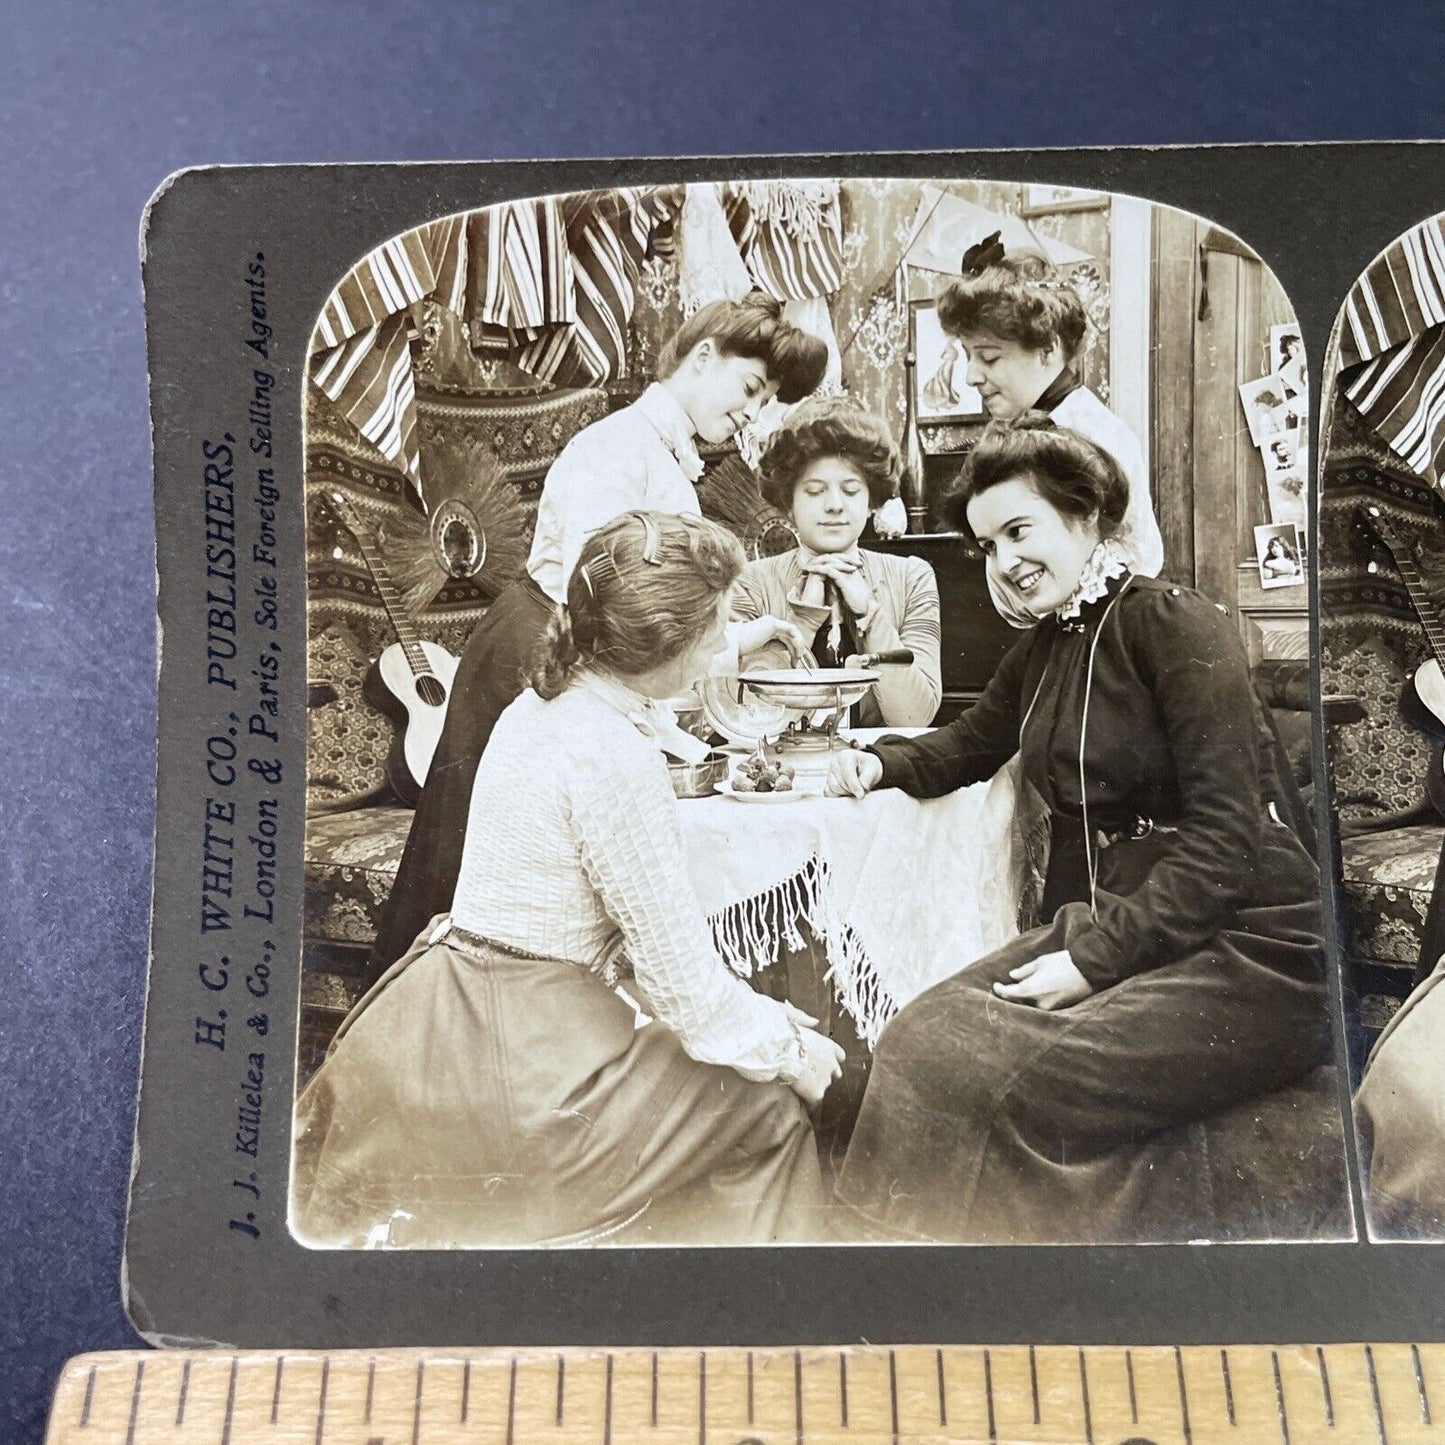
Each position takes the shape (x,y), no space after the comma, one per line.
(1382,636)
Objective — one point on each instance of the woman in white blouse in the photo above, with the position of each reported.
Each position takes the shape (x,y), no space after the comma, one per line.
(714,376)
(828,466)
(493,1088)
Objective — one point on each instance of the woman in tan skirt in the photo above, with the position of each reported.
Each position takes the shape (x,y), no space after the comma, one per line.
(494,1088)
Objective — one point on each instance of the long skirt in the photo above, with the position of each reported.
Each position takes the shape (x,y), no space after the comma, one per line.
(990,1121)
(476,1097)
(1400,1108)
(491,674)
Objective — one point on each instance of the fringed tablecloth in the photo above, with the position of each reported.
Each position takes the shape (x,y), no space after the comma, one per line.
(903,892)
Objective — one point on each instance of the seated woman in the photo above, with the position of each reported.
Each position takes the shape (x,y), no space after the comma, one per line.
(1022,326)
(1400,1111)
(827,467)
(1172,964)
(493,1088)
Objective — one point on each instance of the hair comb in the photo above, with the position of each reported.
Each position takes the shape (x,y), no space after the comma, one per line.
(651,543)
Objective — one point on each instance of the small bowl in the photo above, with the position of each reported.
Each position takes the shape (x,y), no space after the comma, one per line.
(698,780)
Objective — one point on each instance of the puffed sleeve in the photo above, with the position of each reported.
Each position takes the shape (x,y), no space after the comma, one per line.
(592,482)
(630,845)
(909,696)
(972,747)
(1188,654)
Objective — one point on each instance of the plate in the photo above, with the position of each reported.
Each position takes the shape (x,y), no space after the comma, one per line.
(790,795)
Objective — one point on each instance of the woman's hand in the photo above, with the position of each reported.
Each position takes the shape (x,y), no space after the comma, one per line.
(851,583)
(853,774)
(1049,981)
(756,634)
(822,1063)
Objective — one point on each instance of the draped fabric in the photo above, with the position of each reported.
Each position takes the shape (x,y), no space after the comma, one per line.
(790,235)
(551,282)
(1392,348)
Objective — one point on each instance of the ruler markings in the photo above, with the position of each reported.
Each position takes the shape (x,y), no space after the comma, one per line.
(89,1396)
(561,1387)
(230,1402)
(798,1394)
(702,1398)
(843,1388)
(893,1393)
(512,1402)
(140,1370)
(1325,1386)
(321,1397)
(276,1389)
(1133,1398)
(1228,1385)
(416,1403)
(185,1390)
(467,1385)
(654,1389)
(942,1392)
(1420,1386)
(1183,1396)
(370,1389)
(750,1387)
(1375,1395)
(988,1393)
(1034,1381)
(1084,1390)
(607,1407)
(1279,1397)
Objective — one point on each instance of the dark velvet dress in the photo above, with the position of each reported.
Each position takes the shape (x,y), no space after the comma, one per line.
(994,1121)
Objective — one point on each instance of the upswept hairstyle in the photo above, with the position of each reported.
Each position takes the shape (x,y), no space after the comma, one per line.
(646,587)
(830,426)
(1075,476)
(1020,298)
(753,327)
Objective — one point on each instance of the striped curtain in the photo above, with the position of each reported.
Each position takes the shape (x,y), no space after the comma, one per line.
(551,283)
(361,347)
(789,234)
(1392,348)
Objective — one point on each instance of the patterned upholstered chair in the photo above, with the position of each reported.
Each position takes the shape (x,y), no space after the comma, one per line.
(1371,641)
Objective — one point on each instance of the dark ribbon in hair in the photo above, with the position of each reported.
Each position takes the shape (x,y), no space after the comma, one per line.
(980,256)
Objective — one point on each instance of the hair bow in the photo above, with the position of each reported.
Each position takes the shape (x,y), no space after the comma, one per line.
(983,254)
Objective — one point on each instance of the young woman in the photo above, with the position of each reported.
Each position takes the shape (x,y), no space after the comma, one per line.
(1022,327)
(1279,559)
(1177,966)
(713,378)
(493,1088)
(828,466)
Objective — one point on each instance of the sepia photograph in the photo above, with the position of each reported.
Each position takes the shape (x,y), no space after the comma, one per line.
(809,731)
(1382,633)
(1280,550)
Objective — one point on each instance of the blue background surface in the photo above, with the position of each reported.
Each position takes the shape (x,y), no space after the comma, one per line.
(98,104)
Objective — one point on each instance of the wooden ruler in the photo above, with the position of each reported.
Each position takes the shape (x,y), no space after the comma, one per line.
(1003,1395)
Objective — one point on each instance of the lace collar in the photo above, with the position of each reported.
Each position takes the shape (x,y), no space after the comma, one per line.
(673,425)
(654,719)
(1105,564)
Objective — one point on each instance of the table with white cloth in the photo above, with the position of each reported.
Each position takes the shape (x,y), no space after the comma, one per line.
(900,893)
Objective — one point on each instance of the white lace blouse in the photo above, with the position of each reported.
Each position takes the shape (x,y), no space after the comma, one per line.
(574,850)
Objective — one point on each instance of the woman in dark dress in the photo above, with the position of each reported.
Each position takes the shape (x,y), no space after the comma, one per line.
(1171,964)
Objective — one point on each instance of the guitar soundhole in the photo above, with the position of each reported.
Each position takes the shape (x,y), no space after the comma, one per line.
(430,691)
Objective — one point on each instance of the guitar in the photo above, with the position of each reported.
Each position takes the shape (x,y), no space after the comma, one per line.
(1423,702)
(410,682)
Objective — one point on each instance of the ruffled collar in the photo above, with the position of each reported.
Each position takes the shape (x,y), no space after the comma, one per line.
(652,718)
(673,425)
(1105,565)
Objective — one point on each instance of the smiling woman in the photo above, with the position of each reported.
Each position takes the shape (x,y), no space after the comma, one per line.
(1172,964)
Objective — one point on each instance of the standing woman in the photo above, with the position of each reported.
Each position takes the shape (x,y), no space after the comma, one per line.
(493,1088)
(714,376)
(1178,968)
(830,465)
(1022,327)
